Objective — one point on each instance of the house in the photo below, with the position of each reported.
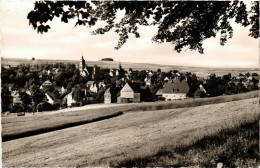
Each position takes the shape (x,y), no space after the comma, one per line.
(50,99)
(107,97)
(63,90)
(17,101)
(89,83)
(93,88)
(101,84)
(176,90)
(159,93)
(150,74)
(111,73)
(47,86)
(47,83)
(148,81)
(70,99)
(53,97)
(130,93)
(166,79)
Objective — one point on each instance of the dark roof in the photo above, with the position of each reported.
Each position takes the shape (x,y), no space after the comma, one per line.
(90,70)
(53,95)
(176,87)
(135,86)
(198,93)
(159,92)
(113,90)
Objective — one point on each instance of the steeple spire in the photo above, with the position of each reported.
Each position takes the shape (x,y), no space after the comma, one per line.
(120,67)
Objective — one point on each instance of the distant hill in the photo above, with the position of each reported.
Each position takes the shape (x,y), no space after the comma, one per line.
(107,59)
(199,71)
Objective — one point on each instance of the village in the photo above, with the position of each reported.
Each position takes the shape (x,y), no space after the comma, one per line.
(47,87)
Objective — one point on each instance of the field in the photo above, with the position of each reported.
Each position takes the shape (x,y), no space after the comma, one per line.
(15,127)
(134,134)
(233,147)
(199,71)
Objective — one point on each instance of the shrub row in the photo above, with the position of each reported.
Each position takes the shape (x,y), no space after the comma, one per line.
(193,102)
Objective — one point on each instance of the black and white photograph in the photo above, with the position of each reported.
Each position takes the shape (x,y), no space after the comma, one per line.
(129,83)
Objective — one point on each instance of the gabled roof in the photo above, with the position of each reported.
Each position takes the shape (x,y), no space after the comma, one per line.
(176,87)
(135,87)
(159,92)
(47,83)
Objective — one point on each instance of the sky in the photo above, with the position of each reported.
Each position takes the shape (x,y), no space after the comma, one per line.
(66,42)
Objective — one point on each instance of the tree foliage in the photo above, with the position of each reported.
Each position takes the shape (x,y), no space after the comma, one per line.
(184,24)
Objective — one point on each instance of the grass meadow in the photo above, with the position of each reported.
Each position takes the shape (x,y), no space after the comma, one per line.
(17,127)
(233,147)
(191,136)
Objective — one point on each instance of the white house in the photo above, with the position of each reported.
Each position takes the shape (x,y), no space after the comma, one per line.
(130,93)
(166,79)
(47,83)
(49,98)
(107,97)
(147,81)
(70,99)
(94,88)
(176,90)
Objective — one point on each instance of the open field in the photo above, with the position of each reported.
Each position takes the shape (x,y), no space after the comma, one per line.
(131,135)
(199,71)
(233,147)
(15,127)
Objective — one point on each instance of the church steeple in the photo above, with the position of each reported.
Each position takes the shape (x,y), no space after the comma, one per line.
(120,67)
(82,66)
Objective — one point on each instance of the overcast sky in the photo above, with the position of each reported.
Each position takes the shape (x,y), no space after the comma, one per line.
(19,40)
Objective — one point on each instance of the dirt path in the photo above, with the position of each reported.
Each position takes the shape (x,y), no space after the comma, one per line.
(131,134)
(86,107)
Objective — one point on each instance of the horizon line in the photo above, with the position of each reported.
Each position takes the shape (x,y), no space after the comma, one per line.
(131,62)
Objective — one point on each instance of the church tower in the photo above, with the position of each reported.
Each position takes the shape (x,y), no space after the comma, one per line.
(83,67)
(120,67)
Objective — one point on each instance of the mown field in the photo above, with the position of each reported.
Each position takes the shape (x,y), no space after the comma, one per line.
(232,147)
(132,135)
(16,127)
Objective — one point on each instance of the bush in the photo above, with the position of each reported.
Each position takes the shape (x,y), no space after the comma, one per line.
(17,108)
(45,106)
(86,102)
(56,106)
(77,104)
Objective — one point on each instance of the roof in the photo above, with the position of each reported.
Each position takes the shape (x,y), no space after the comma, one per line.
(90,82)
(47,83)
(135,87)
(159,92)
(176,87)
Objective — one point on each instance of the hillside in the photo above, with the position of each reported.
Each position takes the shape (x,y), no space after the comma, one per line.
(133,134)
(200,71)
(13,127)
